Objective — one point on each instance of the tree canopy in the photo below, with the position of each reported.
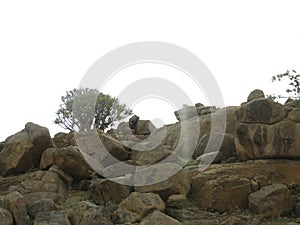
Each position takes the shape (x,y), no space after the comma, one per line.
(84,109)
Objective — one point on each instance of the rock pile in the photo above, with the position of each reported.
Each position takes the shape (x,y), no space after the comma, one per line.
(72,179)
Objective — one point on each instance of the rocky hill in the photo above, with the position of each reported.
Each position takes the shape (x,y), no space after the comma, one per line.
(236,165)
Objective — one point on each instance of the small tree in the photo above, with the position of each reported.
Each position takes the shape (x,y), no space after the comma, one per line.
(293,86)
(84,109)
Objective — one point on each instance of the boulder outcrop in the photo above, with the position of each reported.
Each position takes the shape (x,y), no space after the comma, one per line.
(22,151)
(248,172)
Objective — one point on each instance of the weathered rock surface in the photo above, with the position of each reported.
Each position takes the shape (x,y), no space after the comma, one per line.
(222,120)
(87,213)
(262,111)
(142,204)
(22,151)
(150,157)
(15,203)
(101,148)
(51,218)
(294,115)
(204,110)
(40,206)
(188,112)
(260,141)
(185,113)
(158,218)
(69,159)
(105,191)
(177,183)
(219,186)
(145,127)
(226,193)
(38,181)
(5,217)
(123,217)
(271,201)
(62,140)
(32,193)
(261,134)
(255,94)
(177,201)
(207,144)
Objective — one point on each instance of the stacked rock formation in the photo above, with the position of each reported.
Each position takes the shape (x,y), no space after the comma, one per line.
(72,179)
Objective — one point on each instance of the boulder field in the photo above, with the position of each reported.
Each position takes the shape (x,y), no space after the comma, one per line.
(236,165)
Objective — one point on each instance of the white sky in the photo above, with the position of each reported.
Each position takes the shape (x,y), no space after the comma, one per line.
(47,46)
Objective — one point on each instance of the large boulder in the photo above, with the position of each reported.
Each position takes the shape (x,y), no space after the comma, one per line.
(224,152)
(149,157)
(5,217)
(177,183)
(177,201)
(261,141)
(226,193)
(271,201)
(142,204)
(16,204)
(69,159)
(222,120)
(94,143)
(64,139)
(114,147)
(104,191)
(102,148)
(186,113)
(145,127)
(22,151)
(255,94)
(262,111)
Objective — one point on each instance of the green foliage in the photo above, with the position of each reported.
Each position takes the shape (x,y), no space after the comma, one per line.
(293,88)
(85,109)
(294,85)
(296,103)
(191,162)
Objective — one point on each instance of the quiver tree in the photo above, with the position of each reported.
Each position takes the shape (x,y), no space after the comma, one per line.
(84,109)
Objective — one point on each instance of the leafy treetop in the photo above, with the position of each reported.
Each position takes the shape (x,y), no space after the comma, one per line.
(84,109)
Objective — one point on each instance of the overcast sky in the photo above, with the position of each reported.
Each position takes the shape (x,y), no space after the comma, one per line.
(47,46)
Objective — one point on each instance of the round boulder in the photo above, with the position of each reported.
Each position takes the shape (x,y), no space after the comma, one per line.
(255,94)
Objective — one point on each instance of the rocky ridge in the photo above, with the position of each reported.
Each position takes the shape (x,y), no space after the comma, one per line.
(253,178)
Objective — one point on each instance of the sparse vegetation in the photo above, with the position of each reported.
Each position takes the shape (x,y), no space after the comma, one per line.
(84,109)
(192,162)
(293,89)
